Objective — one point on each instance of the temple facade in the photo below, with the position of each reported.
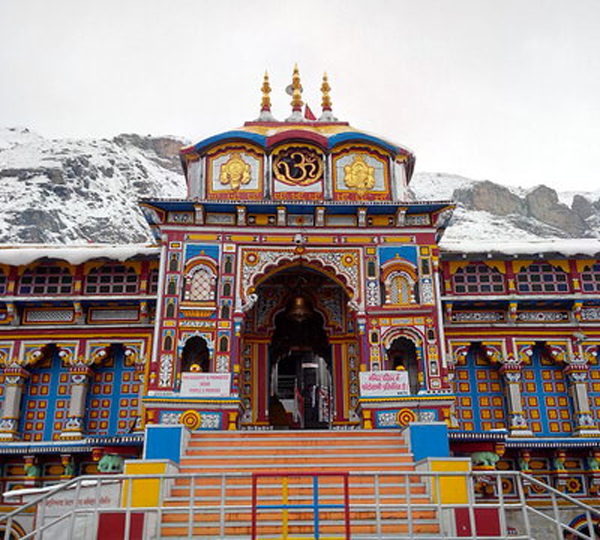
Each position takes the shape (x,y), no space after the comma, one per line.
(298,286)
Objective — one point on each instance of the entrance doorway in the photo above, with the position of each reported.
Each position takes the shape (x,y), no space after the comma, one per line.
(301,382)
(299,364)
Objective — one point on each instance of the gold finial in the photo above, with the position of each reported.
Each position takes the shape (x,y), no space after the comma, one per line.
(266,98)
(296,90)
(325,89)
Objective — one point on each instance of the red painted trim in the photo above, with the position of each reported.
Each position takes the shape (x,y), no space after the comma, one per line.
(297,135)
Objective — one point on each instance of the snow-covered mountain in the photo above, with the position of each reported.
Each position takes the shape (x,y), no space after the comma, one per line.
(73,191)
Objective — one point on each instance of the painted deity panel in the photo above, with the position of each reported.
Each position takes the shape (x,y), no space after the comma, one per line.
(361,175)
(235,173)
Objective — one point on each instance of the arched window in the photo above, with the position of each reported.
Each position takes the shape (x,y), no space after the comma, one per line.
(402,356)
(225,311)
(195,355)
(399,278)
(113,395)
(477,278)
(112,278)
(227,289)
(545,394)
(201,284)
(168,343)
(590,278)
(542,278)
(399,291)
(46,280)
(223,344)
(480,401)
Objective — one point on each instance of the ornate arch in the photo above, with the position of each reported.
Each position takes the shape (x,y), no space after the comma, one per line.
(391,335)
(341,265)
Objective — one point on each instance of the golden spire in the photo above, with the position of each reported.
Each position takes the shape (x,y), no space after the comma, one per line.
(325,89)
(296,90)
(266,98)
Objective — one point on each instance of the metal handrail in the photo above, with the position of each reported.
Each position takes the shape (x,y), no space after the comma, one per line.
(379,504)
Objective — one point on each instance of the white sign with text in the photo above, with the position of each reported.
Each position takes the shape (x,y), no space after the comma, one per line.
(206,384)
(384,383)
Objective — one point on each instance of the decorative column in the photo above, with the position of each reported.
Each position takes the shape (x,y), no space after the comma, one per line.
(14,380)
(517,424)
(79,375)
(140,375)
(583,420)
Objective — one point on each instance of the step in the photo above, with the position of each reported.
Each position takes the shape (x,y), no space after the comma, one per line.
(199,449)
(393,478)
(296,516)
(298,467)
(300,434)
(206,532)
(201,492)
(294,459)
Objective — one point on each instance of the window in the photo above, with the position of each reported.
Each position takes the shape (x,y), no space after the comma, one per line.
(201,285)
(153,282)
(590,278)
(542,278)
(112,279)
(478,279)
(3,282)
(46,280)
(195,355)
(399,290)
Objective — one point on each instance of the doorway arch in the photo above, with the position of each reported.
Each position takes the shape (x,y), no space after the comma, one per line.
(296,337)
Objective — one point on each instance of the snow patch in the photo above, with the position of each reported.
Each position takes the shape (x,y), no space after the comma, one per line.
(27,253)
(569,248)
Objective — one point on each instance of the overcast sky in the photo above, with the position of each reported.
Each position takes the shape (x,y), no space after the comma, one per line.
(490,89)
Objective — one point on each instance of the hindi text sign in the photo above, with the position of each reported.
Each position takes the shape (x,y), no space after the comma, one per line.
(384,383)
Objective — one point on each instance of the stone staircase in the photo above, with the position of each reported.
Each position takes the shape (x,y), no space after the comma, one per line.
(301,452)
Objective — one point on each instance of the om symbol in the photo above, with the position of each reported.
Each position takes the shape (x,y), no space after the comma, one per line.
(298,167)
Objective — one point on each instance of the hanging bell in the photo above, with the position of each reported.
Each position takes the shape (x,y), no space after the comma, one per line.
(299,309)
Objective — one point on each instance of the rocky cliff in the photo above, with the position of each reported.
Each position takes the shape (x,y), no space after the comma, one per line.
(73,191)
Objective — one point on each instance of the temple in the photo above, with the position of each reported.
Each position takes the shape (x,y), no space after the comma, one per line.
(297,287)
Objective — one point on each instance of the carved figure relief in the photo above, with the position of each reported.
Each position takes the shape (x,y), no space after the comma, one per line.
(235,172)
(359,175)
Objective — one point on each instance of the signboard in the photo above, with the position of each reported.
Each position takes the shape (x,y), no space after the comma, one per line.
(384,383)
(206,384)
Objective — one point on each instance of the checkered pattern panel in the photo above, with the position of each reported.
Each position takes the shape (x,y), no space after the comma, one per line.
(45,401)
(113,397)
(480,402)
(545,397)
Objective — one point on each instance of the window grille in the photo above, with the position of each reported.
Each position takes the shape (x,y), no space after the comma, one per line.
(400,290)
(46,280)
(478,279)
(542,278)
(112,279)
(201,286)
(590,278)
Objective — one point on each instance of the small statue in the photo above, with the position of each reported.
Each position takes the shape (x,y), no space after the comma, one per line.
(111,463)
(485,459)
(32,471)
